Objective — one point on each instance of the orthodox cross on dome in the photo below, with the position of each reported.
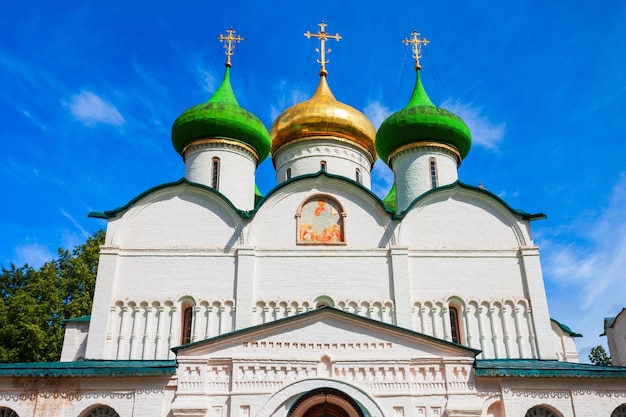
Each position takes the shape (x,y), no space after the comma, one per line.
(323,36)
(229,44)
(416,45)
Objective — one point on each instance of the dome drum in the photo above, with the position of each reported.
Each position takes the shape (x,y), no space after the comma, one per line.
(344,158)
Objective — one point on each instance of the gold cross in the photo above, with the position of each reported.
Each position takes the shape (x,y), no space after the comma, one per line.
(322,49)
(230,44)
(416,46)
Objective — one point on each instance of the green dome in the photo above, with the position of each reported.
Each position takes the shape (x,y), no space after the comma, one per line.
(422,121)
(221,117)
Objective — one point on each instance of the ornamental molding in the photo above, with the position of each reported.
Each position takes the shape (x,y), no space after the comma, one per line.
(224,376)
(77,395)
(15,397)
(608,394)
(325,146)
(541,394)
(312,345)
(225,144)
(425,148)
(209,251)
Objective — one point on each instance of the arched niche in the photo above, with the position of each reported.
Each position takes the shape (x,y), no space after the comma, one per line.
(325,402)
(320,221)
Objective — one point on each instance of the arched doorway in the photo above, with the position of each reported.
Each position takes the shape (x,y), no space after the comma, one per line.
(325,402)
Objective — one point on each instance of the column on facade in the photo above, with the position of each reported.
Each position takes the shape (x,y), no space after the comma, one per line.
(244,287)
(146,333)
(98,342)
(533,280)
(400,280)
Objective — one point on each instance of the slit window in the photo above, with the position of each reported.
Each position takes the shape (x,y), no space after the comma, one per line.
(323,166)
(187,325)
(288,173)
(454,325)
(357,175)
(215,174)
(432,162)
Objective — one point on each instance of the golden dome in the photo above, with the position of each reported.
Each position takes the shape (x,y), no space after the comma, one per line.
(323,115)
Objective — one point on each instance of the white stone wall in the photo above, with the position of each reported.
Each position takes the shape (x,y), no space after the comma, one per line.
(564,345)
(566,397)
(616,339)
(236,170)
(44,397)
(342,158)
(498,328)
(260,388)
(184,243)
(74,341)
(413,173)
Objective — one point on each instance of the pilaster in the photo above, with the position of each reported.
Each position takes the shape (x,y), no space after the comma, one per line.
(102,301)
(244,287)
(536,293)
(400,281)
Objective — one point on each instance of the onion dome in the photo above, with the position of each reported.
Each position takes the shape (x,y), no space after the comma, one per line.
(323,115)
(422,123)
(221,117)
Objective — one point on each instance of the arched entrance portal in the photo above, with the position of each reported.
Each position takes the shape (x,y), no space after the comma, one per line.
(325,402)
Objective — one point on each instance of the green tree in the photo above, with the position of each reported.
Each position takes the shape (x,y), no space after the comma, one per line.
(34,302)
(598,356)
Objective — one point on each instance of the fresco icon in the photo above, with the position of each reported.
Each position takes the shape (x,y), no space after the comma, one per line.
(320,222)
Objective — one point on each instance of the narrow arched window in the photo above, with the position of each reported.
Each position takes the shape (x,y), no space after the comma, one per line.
(215,173)
(323,166)
(619,411)
(454,325)
(101,411)
(187,325)
(7,412)
(432,162)
(288,174)
(357,174)
(539,411)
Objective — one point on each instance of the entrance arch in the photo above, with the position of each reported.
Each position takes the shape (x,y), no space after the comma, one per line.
(282,401)
(325,402)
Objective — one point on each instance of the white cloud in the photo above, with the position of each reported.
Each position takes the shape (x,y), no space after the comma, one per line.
(90,109)
(484,132)
(33,254)
(376,112)
(590,276)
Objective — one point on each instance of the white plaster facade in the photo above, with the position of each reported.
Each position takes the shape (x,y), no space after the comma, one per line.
(339,156)
(615,332)
(183,242)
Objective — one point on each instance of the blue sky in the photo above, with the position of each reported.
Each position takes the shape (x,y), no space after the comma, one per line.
(89,90)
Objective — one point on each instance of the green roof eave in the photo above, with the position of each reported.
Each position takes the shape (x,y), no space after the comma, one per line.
(566,329)
(535,368)
(316,175)
(524,215)
(113,213)
(82,319)
(89,368)
(302,316)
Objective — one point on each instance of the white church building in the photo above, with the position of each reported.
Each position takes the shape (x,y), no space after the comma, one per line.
(318,299)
